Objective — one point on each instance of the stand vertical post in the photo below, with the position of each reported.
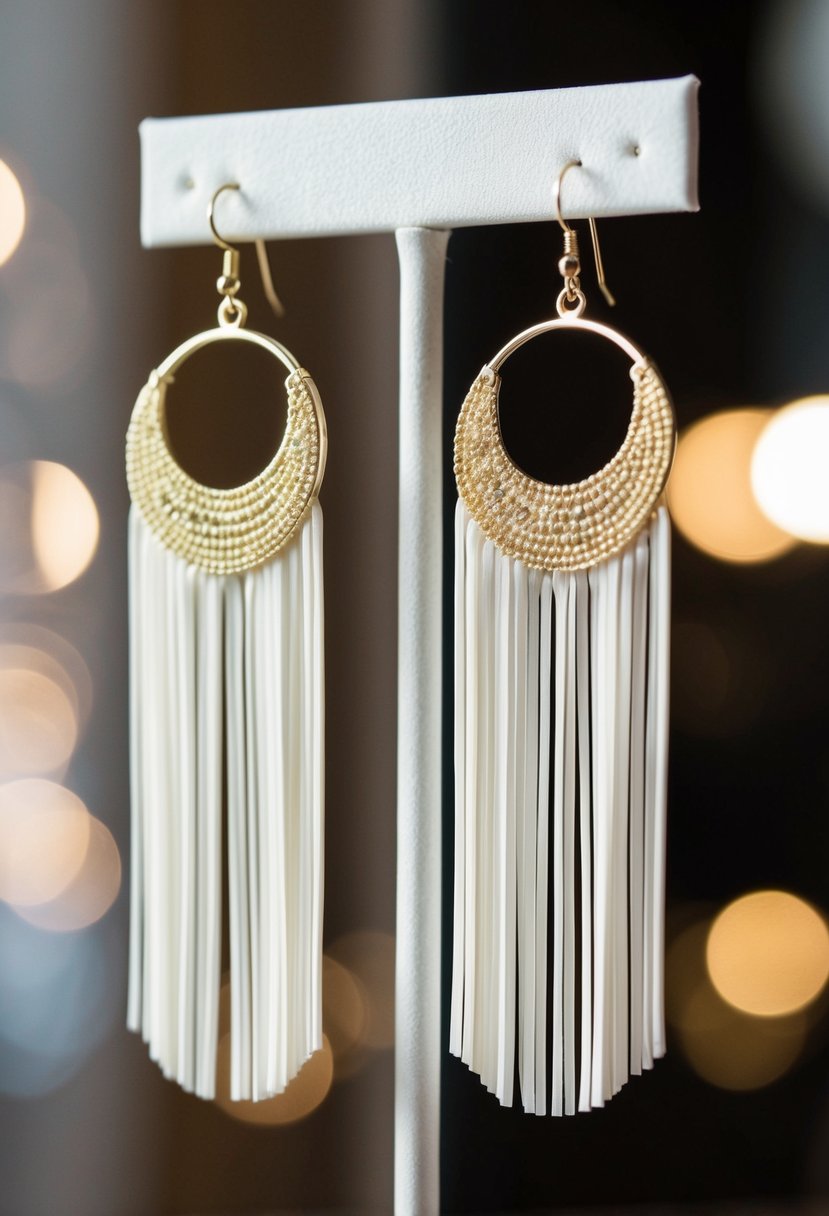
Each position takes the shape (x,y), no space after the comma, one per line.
(422,254)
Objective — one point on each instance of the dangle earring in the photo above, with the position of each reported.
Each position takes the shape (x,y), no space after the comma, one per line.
(227,709)
(562,600)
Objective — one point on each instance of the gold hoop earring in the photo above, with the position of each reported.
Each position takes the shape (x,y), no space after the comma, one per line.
(227,704)
(561,729)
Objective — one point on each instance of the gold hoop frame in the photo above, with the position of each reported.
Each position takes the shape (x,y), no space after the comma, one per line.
(569,527)
(226,531)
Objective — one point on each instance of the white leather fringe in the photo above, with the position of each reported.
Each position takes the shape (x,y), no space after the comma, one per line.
(561,738)
(227,709)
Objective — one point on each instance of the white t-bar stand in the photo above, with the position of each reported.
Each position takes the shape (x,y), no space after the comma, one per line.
(419,169)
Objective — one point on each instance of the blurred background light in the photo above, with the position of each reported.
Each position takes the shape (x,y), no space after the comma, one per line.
(12,212)
(38,726)
(36,648)
(343,1014)
(64,523)
(789,469)
(710,493)
(51,527)
(369,956)
(725,1046)
(734,1051)
(89,895)
(304,1094)
(768,953)
(44,837)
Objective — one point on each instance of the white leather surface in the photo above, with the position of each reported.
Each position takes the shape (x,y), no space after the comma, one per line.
(422,254)
(441,163)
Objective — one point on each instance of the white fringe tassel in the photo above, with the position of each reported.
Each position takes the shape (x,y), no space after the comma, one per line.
(561,736)
(227,666)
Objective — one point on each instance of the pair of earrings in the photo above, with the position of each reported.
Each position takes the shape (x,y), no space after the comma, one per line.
(561,715)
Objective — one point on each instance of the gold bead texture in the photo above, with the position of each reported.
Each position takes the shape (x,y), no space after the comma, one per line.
(224,531)
(570,527)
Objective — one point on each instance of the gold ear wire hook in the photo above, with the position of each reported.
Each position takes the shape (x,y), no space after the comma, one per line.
(229,284)
(211,213)
(597,254)
(571,164)
(267,279)
(569,264)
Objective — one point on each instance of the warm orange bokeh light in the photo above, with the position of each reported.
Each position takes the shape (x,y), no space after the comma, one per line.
(12,212)
(50,527)
(64,523)
(90,894)
(710,494)
(343,1007)
(38,727)
(35,648)
(724,1046)
(768,953)
(369,956)
(733,1051)
(44,838)
(304,1094)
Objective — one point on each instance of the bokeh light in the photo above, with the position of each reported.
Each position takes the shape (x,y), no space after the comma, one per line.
(44,837)
(734,1051)
(90,894)
(345,1004)
(38,727)
(369,956)
(303,1095)
(35,648)
(768,953)
(710,493)
(50,530)
(64,523)
(724,1046)
(343,1008)
(12,212)
(789,469)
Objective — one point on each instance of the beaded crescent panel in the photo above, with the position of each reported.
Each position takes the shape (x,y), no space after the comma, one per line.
(226,531)
(569,527)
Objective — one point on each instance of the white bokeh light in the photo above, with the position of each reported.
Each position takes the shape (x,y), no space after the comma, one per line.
(12,212)
(789,469)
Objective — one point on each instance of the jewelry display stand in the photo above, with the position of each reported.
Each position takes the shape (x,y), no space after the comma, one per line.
(419,169)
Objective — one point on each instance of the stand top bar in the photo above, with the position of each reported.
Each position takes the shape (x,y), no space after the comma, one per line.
(447,162)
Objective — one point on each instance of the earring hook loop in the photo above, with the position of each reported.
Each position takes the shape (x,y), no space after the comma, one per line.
(571,164)
(232,252)
(211,217)
(571,245)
